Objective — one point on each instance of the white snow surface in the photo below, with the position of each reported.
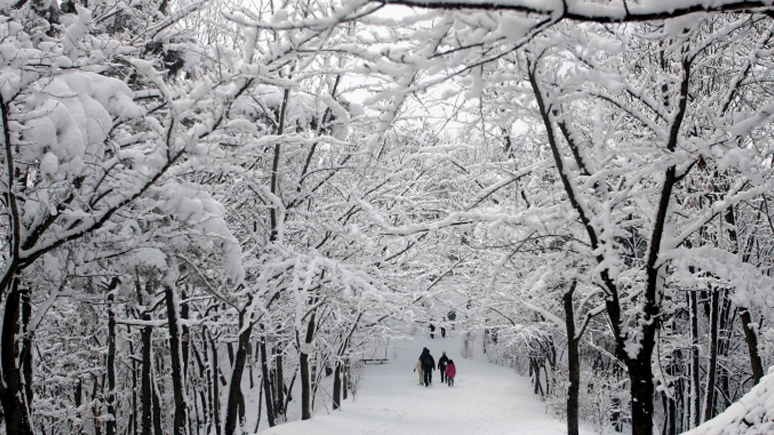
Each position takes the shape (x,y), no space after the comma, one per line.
(753,414)
(487,399)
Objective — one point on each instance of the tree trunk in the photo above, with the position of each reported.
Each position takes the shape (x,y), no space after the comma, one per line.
(110,424)
(345,379)
(695,388)
(12,392)
(709,393)
(95,407)
(751,336)
(641,377)
(156,409)
(337,385)
(306,387)
(185,331)
(135,410)
(203,416)
(215,386)
(26,350)
(146,384)
(78,401)
(175,351)
(573,362)
(235,397)
(280,398)
(267,383)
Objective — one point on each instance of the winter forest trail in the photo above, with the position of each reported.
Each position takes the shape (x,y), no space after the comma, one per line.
(486,399)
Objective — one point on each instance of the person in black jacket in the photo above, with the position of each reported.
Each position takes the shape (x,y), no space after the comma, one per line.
(442,366)
(428,365)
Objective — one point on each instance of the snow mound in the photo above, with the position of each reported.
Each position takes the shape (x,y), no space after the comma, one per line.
(753,414)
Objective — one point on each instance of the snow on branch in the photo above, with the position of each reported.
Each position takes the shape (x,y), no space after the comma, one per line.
(613,11)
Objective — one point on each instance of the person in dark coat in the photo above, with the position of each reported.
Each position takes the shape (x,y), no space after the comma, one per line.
(442,366)
(432,330)
(428,365)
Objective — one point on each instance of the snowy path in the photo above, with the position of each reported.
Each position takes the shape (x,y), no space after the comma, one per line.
(486,400)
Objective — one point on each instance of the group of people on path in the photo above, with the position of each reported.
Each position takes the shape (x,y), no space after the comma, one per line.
(426,365)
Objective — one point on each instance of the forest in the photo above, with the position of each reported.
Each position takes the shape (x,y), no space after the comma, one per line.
(210,207)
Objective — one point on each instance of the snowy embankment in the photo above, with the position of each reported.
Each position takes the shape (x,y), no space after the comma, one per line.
(753,414)
(486,399)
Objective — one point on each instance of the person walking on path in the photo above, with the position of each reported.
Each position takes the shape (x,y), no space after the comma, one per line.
(451,372)
(428,365)
(442,361)
(418,368)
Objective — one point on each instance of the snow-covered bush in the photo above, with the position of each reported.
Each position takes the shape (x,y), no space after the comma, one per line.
(602,401)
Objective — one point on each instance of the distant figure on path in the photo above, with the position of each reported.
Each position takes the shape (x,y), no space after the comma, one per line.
(442,361)
(418,369)
(432,330)
(428,365)
(451,372)
(452,316)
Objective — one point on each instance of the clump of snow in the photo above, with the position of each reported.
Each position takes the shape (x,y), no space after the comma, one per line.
(69,118)
(49,164)
(515,27)
(477,85)
(201,213)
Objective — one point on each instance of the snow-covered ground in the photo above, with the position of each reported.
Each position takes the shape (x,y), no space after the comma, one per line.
(486,399)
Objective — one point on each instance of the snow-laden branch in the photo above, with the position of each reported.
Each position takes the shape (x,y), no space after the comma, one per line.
(610,11)
(546,314)
(732,198)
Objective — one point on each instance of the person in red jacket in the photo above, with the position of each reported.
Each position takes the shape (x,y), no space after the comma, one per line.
(451,372)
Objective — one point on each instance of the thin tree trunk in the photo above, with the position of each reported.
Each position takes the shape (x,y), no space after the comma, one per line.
(260,408)
(695,388)
(345,379)
(95,408)
(266,379)
(146,395)
(751,337)
(306,387)
(203,415)
(185,331)
(110,424)
(175,350)
(337,384)
(156,409)
(215,386)
(235,397)
(280,404)
(573,362)
(78,401)
(26,350)
(709,393)
(135,402)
